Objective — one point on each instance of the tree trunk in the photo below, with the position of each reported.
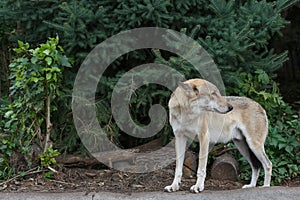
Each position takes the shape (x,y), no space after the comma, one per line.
(48,123)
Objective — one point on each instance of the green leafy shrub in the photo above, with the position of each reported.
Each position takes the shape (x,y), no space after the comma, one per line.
(283,141)
(48,158)
(7,146)
(36,78)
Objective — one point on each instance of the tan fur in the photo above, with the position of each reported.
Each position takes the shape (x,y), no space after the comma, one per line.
(198,110)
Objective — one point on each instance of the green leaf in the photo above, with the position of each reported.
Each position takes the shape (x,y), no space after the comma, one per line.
(48,60)
(8,114)
(280,146)
(20,43)
(22,174)
(48,76)
(64,61)
(282,163)
(46,52)
(289,149)
(55,69)
(35,79)
(8,124)
(34,60)
(282,171)
(4,141)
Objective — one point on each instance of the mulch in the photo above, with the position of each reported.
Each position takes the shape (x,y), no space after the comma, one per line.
(109,180)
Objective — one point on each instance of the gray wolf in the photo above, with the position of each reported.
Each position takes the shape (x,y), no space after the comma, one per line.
(197,109)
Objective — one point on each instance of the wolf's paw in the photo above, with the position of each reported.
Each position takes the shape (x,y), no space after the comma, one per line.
(264,186)
(248,186)
(197,188)
(172,188)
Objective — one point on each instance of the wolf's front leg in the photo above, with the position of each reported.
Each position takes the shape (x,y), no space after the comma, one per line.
(180,145)
(203,155)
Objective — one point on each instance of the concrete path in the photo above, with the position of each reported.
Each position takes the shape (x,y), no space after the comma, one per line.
(280,193)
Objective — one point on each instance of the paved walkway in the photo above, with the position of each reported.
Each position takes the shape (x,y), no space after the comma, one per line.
(280,193)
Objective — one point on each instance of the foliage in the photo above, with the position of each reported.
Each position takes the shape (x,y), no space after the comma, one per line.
(282,143)
(36,83)
(48,158)
(6,149)
(24,19)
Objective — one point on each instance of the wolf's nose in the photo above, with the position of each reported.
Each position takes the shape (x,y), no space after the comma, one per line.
(230,107)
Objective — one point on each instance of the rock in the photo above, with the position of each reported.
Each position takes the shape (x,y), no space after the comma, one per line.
(225,167)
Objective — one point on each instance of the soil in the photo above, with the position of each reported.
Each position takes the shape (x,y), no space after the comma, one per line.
(99,180)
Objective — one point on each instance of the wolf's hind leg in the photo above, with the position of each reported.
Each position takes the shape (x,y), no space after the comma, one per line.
(254,162)
(266,163)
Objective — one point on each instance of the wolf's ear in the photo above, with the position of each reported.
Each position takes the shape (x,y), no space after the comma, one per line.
(190,91)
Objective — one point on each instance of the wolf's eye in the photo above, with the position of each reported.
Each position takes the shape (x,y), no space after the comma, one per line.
(214,94)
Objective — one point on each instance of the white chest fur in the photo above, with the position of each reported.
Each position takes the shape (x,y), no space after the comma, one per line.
(220,127)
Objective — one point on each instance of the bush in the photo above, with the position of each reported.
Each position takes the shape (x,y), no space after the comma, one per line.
(282,144)
(36,84)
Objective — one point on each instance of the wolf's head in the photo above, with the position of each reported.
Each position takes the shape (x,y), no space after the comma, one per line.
(204,96)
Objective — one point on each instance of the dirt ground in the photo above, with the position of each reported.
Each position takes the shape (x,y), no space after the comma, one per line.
(95,180)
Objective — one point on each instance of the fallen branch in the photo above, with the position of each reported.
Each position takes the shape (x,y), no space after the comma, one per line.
(73,160)
(65,183)
(29,172)
(51,169)
(111,157)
